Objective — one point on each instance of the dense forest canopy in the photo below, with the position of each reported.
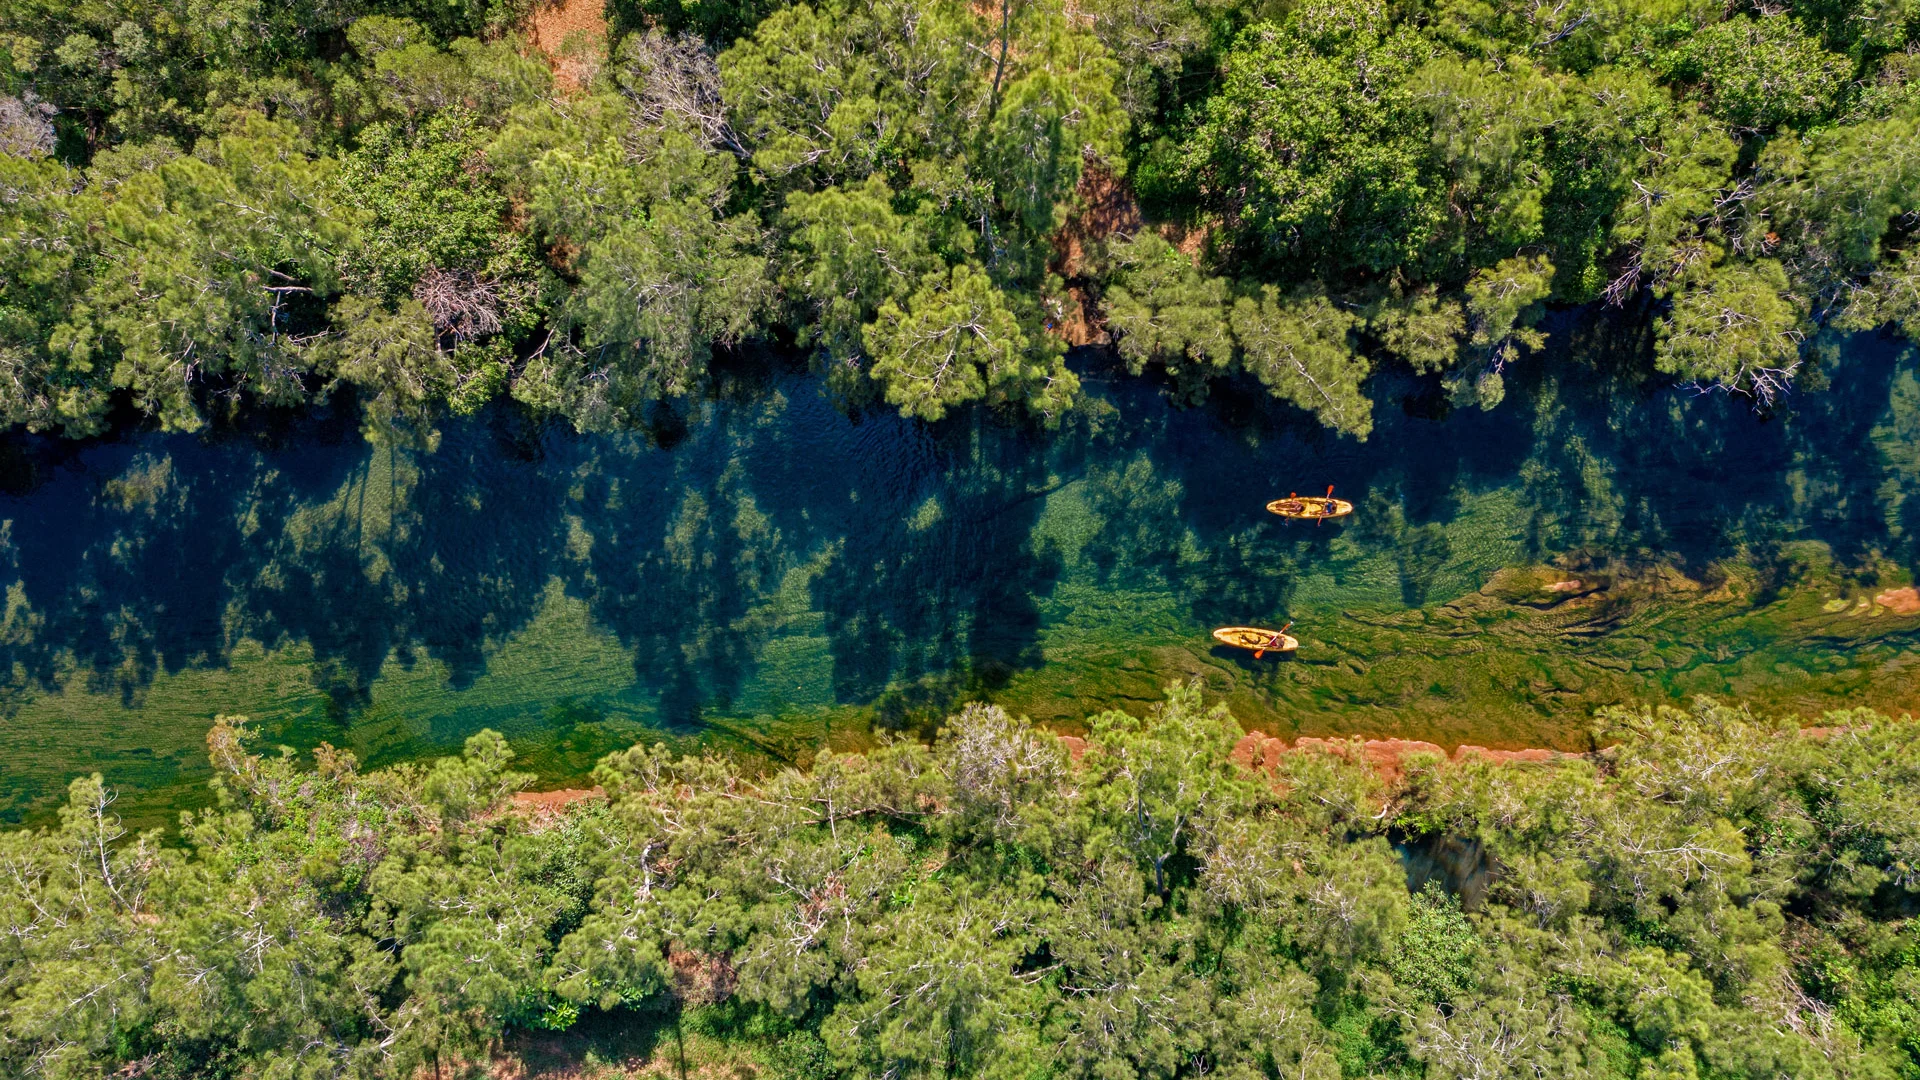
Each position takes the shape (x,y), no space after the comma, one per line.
(207,203)
(1714,896)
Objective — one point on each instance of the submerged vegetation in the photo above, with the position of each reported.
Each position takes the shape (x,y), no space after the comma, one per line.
(205,205)
(1715,895)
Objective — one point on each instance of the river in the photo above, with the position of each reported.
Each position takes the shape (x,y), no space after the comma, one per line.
(761,574)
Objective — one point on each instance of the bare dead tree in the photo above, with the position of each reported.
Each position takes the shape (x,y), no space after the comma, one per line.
(461,302)
(674,77)
(26,126)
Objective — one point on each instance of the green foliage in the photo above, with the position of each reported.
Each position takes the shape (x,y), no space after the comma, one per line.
(959,338)
(718,21)
(801,1056)
(1613,127)
(1832,198)
(1761,73)
(1436,954)
(657,290)
(1734,326)
(1156,776)
(853,253)
(46,227)
(661,273)
(1298,346)
(132,72)
(838,91)
(942,160)
(1489,133)
(1503,303)
(1163,310)
(1357,184)
(1057,111)
(444,284)
(195,261)
(1890,297)
(1157,43)
(406,75)
(1674,218)
(1315,141)
(432,206)
(1714,894)
(1420,328)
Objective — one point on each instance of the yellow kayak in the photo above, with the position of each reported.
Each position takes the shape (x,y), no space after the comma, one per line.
(1310,507)
(1255,638)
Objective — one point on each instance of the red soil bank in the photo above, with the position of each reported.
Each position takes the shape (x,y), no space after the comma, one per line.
(1388,756)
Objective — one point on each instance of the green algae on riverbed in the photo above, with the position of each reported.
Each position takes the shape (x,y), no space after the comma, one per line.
(1512,664)
(765,575)
(1515,665)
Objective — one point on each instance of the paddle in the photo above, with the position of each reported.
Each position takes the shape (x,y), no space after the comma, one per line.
(1280,638)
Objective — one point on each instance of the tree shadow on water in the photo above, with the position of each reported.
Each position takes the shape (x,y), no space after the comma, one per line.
(933,588)
(125,559)
(446,552)
(157,553)
(677,555)
(1852,442)
(1896,439)
(1599,458)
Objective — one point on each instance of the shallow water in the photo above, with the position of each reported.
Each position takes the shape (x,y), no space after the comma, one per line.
(763,574)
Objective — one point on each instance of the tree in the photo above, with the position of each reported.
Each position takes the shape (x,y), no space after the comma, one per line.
(1761,74)
(832,93)
(408,77)
(1299,347)
(1673,218)
(1163,310)
(940,993)
(1166,311)
(657,292)
(1152,42)
(1503,303)
(1058,112)
(200,262)
(45,222)
(1489,129)
(1422,328)
(958,339)
(1611,129)
(1313,145)
(433,205)
(1519,1031)
(1734,327)
(852,254)
(81,941)
(1890,297)
(1005,776)
(1826,202)
(1435,957)
(1162,778)
(662,275)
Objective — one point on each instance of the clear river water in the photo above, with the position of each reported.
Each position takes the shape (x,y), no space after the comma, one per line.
(759,573)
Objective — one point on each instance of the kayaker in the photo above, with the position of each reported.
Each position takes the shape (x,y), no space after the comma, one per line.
(1276,641)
